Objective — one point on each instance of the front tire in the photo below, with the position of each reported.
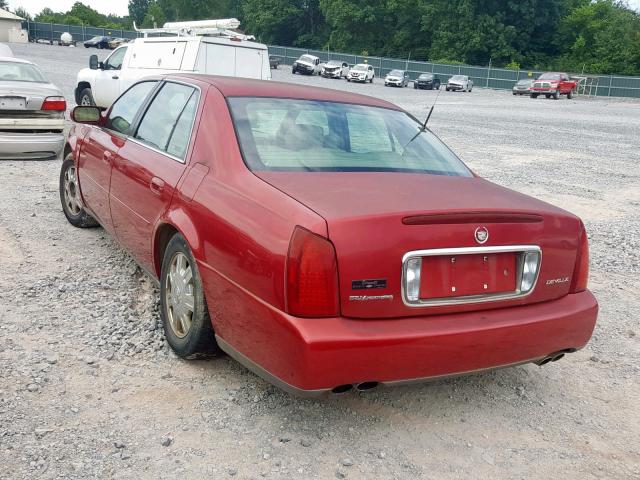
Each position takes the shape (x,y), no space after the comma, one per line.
(556,95)
(70,196)
(86,98)
(183,308)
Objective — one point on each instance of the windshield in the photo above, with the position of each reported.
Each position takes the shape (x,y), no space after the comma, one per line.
(549,76)
(314,136)
(425,76)
(20,72)
(396,73)
(95,39)
(524,82)
(307,58)
(458,78)
(359,67)
(333,63)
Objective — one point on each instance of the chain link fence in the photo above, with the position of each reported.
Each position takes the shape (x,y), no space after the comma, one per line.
(488,77)
(50,32)
(498,78)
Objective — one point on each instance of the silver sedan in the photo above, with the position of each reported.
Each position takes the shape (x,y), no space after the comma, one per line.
(31,112)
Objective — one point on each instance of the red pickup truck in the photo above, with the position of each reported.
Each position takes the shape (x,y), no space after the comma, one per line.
(554,84)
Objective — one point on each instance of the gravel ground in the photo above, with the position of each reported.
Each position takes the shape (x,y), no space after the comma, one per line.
(89,388)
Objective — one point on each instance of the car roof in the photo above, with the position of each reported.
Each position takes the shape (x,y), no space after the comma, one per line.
(246,87)
(15,60)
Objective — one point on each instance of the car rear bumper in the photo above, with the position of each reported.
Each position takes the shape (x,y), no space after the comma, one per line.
(28,146)
(312,356)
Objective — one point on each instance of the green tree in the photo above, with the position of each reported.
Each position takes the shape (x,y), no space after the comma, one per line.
(21,12)
(4,4)
(154,17)
(600,37)
(138,9)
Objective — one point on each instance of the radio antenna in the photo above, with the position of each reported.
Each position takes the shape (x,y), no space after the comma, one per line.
(424,125)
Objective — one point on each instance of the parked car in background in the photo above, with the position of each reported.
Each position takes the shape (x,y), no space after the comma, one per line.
(427,81)
(554,84)
(274,62)
(460,82)
(31,112)
(523,87)
(306,64)
(335,69)
(361,72)
(396,78)
(270,215)
(98,42)
(116,42)
(103,82)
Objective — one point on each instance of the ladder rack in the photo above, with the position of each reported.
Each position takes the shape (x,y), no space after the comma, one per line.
(211,28)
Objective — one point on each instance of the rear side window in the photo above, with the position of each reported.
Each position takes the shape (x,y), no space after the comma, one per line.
(167,123)
(125,108)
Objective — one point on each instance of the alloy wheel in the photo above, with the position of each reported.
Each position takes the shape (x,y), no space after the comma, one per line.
(71,194)
(179,295)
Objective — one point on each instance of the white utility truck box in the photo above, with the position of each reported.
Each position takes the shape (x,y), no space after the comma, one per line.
(206,47)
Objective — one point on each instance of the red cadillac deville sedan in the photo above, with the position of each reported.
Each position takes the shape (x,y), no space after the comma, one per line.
(325,240)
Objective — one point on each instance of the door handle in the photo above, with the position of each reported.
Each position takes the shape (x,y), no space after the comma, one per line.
(107,157)
(156,185)
(115,77)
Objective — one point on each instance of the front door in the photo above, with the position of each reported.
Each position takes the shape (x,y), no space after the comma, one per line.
(149,167)
(101,148)
(94,172)
(107,81)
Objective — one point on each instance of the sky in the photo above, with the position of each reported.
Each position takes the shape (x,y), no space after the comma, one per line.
(119,7)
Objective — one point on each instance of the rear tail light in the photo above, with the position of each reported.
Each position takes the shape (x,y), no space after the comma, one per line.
(581,270)
(312,276)
(54,103)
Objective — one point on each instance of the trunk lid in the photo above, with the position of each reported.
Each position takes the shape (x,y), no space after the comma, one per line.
(374,219)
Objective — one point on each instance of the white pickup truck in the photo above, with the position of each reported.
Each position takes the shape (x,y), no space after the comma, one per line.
(103,82)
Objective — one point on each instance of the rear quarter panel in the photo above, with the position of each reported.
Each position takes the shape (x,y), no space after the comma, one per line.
(239,228)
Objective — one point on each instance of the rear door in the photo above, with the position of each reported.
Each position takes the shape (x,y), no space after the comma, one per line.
(150,165)
(100,149)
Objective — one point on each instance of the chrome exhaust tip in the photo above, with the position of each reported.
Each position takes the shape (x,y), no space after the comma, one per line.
(366,386)
(340,389)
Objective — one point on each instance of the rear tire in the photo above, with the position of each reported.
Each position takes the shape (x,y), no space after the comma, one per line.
(534,95)
(70,196)
(570,94)
(183,308)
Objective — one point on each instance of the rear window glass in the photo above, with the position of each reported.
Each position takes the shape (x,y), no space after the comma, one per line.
(20,72)
(313,136)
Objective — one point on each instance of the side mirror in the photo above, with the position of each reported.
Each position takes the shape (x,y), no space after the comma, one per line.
(93,62)
(87,115)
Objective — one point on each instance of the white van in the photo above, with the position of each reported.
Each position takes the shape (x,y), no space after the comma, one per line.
(228,54)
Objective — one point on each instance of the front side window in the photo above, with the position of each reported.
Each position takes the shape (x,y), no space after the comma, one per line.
(315,136)
(114,62)
(126,107)
(20,72)
(166,125)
